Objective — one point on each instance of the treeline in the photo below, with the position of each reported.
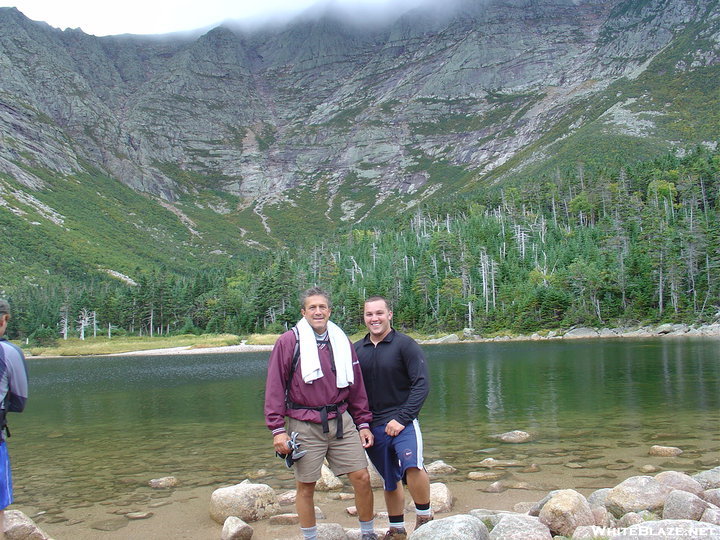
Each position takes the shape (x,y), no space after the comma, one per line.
(634,245)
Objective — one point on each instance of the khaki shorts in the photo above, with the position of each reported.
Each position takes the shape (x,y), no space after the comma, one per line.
(344,455)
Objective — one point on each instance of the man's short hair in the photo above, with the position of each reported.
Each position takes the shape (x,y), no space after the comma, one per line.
(377,299)
(4,307)
(314,291)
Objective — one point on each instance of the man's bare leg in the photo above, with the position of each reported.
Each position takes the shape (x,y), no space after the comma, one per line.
(395,500)
(305,504)
(418,483)
(360,481)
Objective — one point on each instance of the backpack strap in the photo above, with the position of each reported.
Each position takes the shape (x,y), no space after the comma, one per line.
(293,363)
(325,409)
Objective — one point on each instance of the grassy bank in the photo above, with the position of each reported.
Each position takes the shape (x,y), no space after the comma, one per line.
(124,344)
(117,345)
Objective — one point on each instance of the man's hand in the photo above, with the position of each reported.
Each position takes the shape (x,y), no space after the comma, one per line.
(280,442)
(366,438)
(393,428)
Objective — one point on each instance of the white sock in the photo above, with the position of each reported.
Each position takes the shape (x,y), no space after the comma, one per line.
(367,526)
(309,533)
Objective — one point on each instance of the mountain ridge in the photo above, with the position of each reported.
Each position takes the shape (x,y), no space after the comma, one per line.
(239,137)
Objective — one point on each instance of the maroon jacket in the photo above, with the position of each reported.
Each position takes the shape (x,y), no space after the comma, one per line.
(322,391)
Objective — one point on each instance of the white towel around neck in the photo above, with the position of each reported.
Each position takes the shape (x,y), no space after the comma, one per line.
(310,361)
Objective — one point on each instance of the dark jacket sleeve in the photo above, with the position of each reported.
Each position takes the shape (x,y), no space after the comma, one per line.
(277,374)
(358,405)
(416,366)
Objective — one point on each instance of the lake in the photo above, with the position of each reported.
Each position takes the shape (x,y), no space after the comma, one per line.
(97,429)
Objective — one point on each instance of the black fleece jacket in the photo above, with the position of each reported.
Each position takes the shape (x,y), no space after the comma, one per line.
(396,377)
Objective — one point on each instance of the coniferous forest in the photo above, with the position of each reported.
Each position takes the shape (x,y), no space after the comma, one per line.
(634,245)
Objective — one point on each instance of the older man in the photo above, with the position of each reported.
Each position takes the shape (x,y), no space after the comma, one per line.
(13,394)
(396,380)
(314,379)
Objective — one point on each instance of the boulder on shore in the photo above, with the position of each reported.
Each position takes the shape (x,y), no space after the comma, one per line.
(580,332)
(635,494)
(709,479)
(565,511)
(249,502)
(18,526)
(441,498)
(328,481)
(520,526)
(235,528)
(684,505)
(459,527)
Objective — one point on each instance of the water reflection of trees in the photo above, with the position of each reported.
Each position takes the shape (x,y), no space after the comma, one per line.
(500,386)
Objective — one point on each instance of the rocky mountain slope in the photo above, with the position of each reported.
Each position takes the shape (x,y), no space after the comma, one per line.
(247,137)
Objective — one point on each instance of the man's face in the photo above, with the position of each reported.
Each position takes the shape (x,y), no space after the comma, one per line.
(317,312)
(4,318)
(377,318)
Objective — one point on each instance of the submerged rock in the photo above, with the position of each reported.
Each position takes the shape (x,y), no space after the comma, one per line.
(664,451)
(139,515)
(163,483)
(439,467)
(514,437)
(486,475)
(492,463)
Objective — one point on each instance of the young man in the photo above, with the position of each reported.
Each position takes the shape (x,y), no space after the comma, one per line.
(325,401)
(396,380)
(13,394)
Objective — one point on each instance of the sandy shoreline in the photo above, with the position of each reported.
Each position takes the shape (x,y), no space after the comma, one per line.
(242,348)
(184,514)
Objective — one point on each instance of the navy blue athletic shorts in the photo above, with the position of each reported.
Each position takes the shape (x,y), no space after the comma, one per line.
(6,496)
(392,456)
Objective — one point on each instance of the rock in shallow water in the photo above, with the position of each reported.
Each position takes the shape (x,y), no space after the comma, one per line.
(513,437)
(113,524)
(163,483)
(139,515)
(664,451)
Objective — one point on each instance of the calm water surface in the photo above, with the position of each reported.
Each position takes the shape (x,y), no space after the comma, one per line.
(97,429)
